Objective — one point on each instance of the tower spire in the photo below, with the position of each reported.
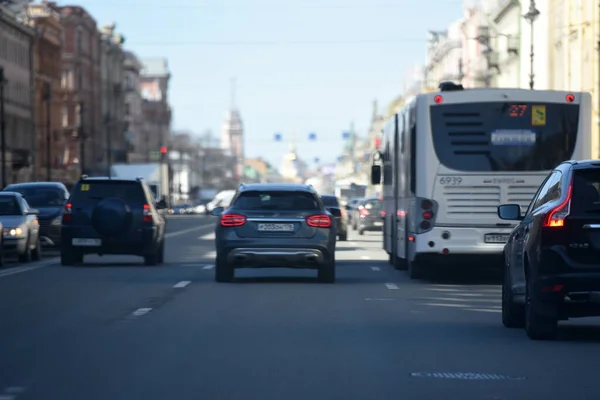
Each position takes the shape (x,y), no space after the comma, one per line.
(233,83)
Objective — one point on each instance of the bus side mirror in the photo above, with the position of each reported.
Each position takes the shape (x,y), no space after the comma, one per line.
(375,174)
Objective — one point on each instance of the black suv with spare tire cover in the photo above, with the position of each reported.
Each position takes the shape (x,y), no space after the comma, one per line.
(112,216)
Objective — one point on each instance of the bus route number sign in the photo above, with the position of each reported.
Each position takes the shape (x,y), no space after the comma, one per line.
(451,180)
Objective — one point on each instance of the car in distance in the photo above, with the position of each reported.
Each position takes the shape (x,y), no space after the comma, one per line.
(332,203)
(49,198)
(370,215)
(20,227)
(552,257)
(275,225)
(112,216)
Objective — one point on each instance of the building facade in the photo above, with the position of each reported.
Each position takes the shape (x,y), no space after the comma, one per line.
(154,86)
(475,60)
(16,60)
(112,68)
(506,23)
(133,109)
(444,56)
(81,87)
(574,57)
(48,46)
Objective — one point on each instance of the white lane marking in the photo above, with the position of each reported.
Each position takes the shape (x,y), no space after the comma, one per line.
(391,286)
(7,397)
(25,268)
(183,232)
(365,257)
(210,254)
(376,268)
(208,267)
(459,299)
(352,243)
(141,311)
(182,284)
(14,390)
(446,305)
(208,236)
(483,310)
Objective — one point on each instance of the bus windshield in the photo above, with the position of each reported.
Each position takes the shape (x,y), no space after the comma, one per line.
(504,136)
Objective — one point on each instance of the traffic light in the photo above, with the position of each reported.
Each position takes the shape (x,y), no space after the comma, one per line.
(163,150)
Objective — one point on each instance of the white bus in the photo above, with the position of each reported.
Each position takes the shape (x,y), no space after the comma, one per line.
(449,158)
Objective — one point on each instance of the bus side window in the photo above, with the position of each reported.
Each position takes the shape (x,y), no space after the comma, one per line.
(387,165)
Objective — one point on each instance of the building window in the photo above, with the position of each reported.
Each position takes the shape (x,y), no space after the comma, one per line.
(127,109)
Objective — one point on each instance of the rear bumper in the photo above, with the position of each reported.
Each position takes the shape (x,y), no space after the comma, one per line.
(137,242)
(371,224)
(568,295)
(277,257)
(461,241)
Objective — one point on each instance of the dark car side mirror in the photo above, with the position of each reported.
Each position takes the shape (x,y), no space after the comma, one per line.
(217,211)
(510,212)
(375,174)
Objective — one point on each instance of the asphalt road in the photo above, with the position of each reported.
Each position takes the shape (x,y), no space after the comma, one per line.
(115,329)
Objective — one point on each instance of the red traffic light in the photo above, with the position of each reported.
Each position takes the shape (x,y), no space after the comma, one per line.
(163,150)
(377,143)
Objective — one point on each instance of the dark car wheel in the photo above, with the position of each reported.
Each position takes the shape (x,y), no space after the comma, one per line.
(69,257)
(326,273)
(538,326)
(513,314)
(26,256)
(224,271)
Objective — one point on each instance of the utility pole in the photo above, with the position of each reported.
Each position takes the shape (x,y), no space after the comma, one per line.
(3,127)
(48,100)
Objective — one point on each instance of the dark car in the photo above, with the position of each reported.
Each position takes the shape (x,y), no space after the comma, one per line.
(370,215)
(351,214)
(275,225)
(332,203)
(112,216)
(552,257)
(49,198)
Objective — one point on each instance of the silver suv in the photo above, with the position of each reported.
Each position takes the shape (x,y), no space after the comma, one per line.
(275,226)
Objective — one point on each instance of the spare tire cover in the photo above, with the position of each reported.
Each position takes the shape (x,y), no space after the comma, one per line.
(111,216)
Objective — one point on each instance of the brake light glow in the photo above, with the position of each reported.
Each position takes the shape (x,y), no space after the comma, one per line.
(427,215)
(556,217)
(66,217)
(147,213)
(319,221)
(383,213)
(363,212)
(232,220)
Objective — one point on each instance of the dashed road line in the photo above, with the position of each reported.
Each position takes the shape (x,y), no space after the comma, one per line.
(210,266)
(182,284)
(391,286)
(25,268)
(207,236)
(183,232)
(376,268)
(140,312)
(365,257)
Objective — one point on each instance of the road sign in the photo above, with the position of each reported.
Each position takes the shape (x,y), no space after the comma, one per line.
(345,135)
(312,136)
(278,137)
(317,159)
(340,158)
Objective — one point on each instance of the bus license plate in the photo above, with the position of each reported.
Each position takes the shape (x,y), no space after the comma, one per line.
(496,237)
(276,227)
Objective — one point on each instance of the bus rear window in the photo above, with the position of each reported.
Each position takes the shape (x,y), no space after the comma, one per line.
(497,136)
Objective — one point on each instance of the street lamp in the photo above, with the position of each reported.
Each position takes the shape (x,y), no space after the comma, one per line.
(531,16)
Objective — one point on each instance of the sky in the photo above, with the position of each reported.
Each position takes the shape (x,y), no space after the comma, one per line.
(300,66)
